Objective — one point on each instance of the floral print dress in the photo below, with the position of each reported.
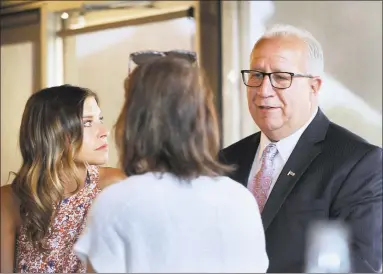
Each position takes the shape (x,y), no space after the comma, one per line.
(63,232)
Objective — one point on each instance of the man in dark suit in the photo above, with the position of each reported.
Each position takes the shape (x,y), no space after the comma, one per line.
(302,167)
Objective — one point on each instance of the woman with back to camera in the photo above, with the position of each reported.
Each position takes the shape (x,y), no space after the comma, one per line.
(62,141)
(175,212)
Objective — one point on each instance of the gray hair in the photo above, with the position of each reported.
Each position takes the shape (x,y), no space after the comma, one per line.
(315,52)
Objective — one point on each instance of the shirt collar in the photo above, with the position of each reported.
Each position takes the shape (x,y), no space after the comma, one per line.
(285,146)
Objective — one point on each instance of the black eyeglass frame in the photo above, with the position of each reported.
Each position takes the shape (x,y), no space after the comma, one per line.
(292,74)
(187,54)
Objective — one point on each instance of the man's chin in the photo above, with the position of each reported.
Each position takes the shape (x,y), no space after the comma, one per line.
(270,124)
(273,131)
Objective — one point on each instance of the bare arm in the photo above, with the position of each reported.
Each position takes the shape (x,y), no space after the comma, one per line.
(109,175)
(10,220)
(102,244)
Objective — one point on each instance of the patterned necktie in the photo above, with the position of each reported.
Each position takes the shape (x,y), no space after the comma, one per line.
(262,181)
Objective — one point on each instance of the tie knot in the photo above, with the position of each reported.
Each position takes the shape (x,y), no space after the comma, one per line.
(270,151)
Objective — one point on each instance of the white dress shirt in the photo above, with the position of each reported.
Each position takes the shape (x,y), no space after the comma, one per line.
(285,148)
(152,223)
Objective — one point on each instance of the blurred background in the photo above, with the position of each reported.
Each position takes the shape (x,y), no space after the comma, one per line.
(87,43)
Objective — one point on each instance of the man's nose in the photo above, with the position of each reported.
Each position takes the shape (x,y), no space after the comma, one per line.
(266,88)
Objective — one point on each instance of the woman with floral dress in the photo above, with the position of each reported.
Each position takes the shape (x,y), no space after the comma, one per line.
(63,143)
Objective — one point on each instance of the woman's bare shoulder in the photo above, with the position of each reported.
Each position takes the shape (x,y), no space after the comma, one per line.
(110,175)
(8,197)
(10,204)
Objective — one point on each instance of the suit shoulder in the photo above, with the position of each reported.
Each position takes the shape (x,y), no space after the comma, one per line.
(341,138)
(243,142)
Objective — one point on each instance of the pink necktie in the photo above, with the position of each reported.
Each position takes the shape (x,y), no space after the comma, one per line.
(262,181)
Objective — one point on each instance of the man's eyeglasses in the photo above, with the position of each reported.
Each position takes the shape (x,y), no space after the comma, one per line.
(142,57)
(280,80)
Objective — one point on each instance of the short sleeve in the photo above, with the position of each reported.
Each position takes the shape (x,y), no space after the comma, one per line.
(256,227)
(101,243)
(249,242)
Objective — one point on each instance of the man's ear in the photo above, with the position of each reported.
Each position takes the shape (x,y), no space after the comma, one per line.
(316,84)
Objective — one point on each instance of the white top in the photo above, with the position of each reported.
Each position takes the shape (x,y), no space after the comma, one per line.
(149,223)
(285,148)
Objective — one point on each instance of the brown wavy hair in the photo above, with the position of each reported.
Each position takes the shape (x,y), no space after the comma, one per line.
(168,122)
(51,133)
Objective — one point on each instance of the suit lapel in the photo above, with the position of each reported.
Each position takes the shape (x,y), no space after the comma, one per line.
(307,149)
(301,158)
(246,159)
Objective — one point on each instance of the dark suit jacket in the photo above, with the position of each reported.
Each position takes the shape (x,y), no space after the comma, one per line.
(338,175)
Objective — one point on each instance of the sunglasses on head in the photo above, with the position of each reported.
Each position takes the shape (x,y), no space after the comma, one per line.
(142,57)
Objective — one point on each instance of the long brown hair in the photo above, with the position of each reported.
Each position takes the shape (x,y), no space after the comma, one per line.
(51,133)
(168,122)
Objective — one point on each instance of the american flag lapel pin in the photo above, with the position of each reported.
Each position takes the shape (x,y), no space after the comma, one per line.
(290,173)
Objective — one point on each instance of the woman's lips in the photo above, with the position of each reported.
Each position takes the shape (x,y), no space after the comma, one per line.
(103,147)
